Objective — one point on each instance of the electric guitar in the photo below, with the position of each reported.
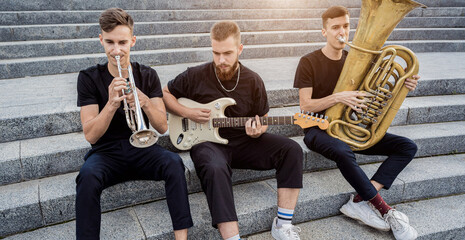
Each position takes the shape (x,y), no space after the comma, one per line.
(185,133)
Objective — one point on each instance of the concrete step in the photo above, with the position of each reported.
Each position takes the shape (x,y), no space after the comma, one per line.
(43,48)
(64,155)
(18,68)
(438,218)
(32,159)
(91,16)
(49,108)
(323,194)
(89,30)
(12,5)
(42,122)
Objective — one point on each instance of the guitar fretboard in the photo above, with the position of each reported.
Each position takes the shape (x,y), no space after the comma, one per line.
(240,121)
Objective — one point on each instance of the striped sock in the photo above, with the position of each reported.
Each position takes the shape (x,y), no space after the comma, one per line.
(237,237)
(284,216)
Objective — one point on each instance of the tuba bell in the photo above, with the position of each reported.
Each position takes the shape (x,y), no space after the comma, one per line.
(370,68)
(142,136)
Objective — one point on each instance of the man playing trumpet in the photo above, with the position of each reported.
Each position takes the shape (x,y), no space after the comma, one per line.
(112,158)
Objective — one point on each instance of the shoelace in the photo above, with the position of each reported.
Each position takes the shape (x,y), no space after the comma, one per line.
(393,222)
(293,232)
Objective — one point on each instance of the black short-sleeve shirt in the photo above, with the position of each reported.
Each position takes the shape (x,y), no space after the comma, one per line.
(317,71)
(92,88)
(200,84)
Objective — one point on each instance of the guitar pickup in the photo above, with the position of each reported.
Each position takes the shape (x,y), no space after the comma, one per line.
(185,124)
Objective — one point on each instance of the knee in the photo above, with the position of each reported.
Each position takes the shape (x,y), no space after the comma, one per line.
(343,156)
(293,146)
(89,180)
(409,148)
(293,151)
(173,166)
(213,170)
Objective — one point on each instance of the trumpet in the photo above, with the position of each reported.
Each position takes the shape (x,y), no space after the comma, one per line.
(142,136)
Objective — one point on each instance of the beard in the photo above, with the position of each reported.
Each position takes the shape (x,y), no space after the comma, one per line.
(228,74)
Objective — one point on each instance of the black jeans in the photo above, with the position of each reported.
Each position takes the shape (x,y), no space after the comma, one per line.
(399,151)
(214,163)
(117,162)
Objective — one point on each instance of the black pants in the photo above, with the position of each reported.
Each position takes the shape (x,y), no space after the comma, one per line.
(213,163)
(118,161)
(399,151)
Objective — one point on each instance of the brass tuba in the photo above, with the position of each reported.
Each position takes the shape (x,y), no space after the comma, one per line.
(371,68)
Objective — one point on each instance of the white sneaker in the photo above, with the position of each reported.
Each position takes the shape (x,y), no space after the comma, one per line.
(365,214)
(286,232)
(400,226)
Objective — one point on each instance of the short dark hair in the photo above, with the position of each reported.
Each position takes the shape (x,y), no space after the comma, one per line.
(334,12)
(224,29)
(113,17)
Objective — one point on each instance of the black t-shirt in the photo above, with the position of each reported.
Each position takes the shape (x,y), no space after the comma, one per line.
(200,84)
(317,71)
(92,87)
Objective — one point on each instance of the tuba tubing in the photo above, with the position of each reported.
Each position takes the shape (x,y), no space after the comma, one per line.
(370,67)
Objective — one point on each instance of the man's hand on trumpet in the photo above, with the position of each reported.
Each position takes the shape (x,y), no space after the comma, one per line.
(143,99)
(115,94)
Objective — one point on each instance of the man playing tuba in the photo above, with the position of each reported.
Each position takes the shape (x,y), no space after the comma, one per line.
(316,77)
(112,158)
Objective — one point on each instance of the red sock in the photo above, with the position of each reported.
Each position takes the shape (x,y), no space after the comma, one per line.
(380,204)
(358,198)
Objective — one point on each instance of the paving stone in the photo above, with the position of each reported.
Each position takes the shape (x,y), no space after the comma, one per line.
(121,224)
(58,157)
(431,141)
(10,163)
(323,194)
(20,208)
(448,170)
(420,213)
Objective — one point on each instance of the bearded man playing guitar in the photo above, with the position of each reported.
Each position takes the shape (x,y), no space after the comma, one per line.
(248,147)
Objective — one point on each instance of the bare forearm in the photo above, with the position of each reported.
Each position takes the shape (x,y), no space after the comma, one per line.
(156,113)
(318,105)
(96,127)
(172,104)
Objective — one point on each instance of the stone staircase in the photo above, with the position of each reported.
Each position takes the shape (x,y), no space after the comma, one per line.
(44,44)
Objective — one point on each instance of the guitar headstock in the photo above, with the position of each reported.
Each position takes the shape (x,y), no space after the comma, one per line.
(306,121)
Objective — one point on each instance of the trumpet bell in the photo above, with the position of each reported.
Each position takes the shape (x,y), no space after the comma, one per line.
(143,138)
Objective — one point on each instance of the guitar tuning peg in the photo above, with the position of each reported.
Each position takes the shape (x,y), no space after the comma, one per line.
(326,117)
(311,114)
(307,112)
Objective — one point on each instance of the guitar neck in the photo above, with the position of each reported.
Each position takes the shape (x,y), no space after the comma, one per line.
(240,121)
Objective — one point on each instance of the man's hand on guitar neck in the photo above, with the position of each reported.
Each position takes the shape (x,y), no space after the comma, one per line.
(254,128)
(199,115)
